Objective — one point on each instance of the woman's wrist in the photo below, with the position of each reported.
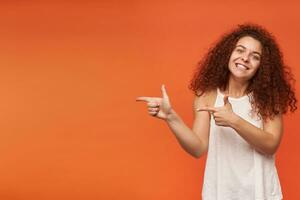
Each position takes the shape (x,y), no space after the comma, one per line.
(172,116)
(234,121)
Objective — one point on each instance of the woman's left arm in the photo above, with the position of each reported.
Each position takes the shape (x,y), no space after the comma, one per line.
(264,140)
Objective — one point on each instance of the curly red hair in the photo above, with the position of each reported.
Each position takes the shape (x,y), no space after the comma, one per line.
(271,86)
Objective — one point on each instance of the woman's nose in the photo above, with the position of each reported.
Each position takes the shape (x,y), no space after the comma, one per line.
(245,57)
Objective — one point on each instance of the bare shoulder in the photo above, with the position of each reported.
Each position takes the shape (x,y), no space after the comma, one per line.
(206,99)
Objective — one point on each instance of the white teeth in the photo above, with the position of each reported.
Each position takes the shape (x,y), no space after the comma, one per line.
(240,66)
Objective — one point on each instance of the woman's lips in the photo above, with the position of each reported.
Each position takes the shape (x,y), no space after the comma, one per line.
(241,66)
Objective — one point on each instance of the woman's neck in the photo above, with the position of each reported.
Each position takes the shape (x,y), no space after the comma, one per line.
(236,88)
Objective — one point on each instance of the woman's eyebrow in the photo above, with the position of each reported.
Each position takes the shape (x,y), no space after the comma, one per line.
(246,48)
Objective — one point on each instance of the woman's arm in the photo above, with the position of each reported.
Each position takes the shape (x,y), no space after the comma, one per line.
(187,138)
(195,140)
(264,140)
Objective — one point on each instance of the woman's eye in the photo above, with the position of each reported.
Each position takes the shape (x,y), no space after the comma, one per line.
(239,50)
(256,57)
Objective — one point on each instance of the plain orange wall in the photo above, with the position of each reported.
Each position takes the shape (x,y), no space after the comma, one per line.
(70,73)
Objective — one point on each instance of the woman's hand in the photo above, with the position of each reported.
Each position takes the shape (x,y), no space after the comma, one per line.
(224,116)
(157,106)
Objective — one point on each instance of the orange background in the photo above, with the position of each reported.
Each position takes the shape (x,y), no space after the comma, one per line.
(70,73)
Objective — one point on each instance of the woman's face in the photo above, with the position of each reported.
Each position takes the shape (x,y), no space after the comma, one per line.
(245,58)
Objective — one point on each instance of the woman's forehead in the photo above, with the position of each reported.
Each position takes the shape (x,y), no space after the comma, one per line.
(249,42)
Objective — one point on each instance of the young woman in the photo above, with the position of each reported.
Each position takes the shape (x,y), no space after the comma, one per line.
(242,88)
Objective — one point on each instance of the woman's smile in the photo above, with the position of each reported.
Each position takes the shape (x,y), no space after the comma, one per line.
(241,66)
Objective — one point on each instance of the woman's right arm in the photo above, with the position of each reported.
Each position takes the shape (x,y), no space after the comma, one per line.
(194,141)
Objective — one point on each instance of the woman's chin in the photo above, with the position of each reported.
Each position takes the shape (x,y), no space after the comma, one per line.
(240,76)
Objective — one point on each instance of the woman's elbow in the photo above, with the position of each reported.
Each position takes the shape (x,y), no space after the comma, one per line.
(270,151)
(199,154)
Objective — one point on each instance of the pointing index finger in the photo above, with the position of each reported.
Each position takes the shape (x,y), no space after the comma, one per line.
(146,99)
